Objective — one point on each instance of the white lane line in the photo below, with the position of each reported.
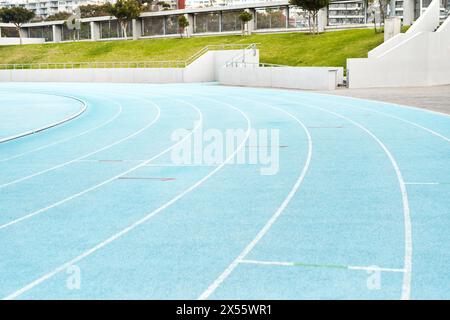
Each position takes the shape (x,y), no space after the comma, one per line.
(327,266)
(88,154)
(421,183)
(437,134)
(406,286)
(115,161)
(222,277)
(387,103)
(119,111)
(268,263)
(364,268)
(53,124)
(34,213)
(123,232)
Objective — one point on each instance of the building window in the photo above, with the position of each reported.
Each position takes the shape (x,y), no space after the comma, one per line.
(270,18)
(298,18)
(153,26)
(111,29)
(207,22)
(9,32)
(84,33)
(45,32)
(172,25)
(231,21)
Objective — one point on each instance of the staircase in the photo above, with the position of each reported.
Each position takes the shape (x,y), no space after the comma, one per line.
(419,57)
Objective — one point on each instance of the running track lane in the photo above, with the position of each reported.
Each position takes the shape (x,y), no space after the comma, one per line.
(348,212)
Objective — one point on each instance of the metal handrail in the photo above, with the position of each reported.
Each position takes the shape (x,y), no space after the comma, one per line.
(241,56)
(124,64)
(244,64)
(240,60)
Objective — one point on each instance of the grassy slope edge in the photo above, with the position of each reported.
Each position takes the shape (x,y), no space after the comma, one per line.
(296,49)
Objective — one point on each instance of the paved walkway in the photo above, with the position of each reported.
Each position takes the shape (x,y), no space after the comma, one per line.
(432,98)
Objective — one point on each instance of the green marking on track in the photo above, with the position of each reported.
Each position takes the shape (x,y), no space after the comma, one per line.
(311,265)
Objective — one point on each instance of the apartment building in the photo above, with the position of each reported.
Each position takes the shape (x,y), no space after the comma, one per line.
(45,8)
(347,12)
(340,12)
(410,10)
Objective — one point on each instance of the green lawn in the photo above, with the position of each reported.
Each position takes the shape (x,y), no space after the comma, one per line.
(296,49)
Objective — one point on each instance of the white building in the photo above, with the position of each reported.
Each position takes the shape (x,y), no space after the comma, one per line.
(412,9)
(340,12)
(45,8)
(215,3)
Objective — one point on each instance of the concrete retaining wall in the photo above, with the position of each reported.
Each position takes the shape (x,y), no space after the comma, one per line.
(154,75)
(204,69)
(420,57)
(14,41)
(208,67)
(423,60)
(307,78)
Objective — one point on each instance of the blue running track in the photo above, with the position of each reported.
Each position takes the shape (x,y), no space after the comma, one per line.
(359,208)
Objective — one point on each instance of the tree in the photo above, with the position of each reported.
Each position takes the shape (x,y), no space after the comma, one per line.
(381,5)
(183,23)
(312,7)
(245,18)
(58,16)
(94,10)
(165,6)
(125,11)
(16,16)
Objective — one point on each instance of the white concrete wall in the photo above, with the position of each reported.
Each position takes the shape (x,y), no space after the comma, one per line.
(204,69)
(306,78)
(138,75)
(428,21)
(208,67)
(420,57)
(423,60)
(408,12)
(392,27)
(13,41)
(445,27)
(387,45)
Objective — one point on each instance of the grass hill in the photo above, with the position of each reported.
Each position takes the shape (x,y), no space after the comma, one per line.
(295,49)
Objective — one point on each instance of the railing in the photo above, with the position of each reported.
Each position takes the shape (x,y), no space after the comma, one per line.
(95,65)
(239,61)
(240,58)
(226,46)
(125,64)
(240,64)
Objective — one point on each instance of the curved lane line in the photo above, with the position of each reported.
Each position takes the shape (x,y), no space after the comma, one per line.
(437,134)
(406,286)
(146,217)
(222,277)
(7,184)
(387,103)
(51,125)
(34,213)
(68,138)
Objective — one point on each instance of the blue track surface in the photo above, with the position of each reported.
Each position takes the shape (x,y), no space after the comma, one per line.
(359,208)
(23,112)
